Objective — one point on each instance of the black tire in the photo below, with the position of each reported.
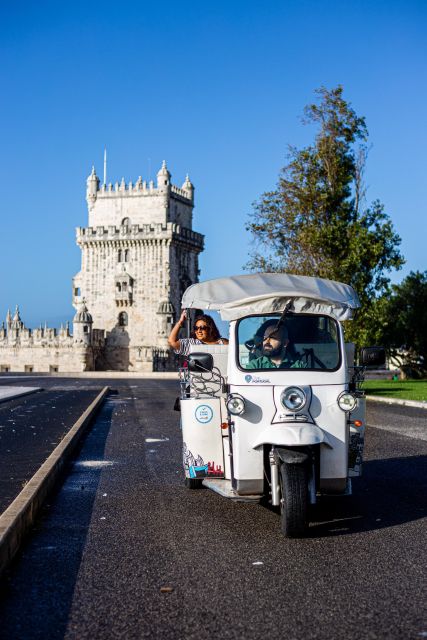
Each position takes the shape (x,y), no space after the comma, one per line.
(294,501)
(193,483)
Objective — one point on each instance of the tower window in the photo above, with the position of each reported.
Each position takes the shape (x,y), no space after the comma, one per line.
(126,257)
(126,222)
(118,286)
(85,329)
(119,255)
(123,319)
(77,291)
(124,286)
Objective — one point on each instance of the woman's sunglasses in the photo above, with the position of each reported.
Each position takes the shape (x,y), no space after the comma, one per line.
(201,327)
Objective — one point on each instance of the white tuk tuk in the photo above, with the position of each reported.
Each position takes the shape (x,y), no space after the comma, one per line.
(278,413)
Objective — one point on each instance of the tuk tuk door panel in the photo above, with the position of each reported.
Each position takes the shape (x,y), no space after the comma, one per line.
(202,438)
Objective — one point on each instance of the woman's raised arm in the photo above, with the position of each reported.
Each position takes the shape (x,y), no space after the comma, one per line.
(173,340)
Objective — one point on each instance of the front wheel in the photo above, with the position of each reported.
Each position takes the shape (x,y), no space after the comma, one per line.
(294,500)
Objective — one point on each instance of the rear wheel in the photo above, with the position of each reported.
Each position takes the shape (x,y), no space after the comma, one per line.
(193,483)
(294,501)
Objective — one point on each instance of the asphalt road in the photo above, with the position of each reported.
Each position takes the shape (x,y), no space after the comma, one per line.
(123,527)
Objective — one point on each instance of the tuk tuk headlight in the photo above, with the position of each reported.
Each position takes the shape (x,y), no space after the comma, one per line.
(293,398)
(347,401)
(235,404)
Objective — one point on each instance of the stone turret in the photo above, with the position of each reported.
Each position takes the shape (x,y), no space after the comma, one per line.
(92,187)
(17,325)
(166,315)
(17,322)
(188,187)
(163,178)
(82,326)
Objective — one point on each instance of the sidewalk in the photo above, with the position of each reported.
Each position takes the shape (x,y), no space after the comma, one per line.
(10,393)
(402,403)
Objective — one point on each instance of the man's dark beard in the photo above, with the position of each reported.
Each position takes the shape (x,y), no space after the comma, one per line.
(271,353)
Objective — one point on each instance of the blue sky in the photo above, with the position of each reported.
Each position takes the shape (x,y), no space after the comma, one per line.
(217,89)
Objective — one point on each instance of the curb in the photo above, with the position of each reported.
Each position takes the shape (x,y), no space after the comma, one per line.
(20,394)
(20,515)
(402,403)
(106,375)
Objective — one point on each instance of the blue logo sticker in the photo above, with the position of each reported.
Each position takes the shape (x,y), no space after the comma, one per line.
(257,380)
(203,413)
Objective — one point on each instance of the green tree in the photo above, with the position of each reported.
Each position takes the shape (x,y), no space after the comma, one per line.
(404,321)
(315,222)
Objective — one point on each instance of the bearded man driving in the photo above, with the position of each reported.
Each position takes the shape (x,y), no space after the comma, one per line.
(275,354)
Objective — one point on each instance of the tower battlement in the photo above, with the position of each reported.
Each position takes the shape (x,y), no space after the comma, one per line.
(139,188)
(136,232)
(139,202)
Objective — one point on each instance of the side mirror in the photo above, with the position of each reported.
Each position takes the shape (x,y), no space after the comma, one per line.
(372,356)
(200,362)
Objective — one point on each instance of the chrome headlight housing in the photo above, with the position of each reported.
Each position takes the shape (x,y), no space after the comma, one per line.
(293,398)
(347,401)
(235,404)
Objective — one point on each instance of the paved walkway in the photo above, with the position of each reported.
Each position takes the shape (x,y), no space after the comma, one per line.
(419,404)
(9,393)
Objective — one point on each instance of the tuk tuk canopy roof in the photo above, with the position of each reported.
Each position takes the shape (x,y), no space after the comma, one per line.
(238,296)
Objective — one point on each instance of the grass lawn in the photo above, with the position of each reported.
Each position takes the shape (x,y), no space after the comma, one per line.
(403,389)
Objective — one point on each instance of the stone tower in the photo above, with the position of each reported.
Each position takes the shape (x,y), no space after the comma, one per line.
(139,254)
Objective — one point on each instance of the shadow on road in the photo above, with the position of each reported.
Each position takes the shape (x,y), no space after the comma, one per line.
(391,492)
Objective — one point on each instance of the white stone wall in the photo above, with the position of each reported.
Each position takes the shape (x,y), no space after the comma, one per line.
(110,208)
(46,358)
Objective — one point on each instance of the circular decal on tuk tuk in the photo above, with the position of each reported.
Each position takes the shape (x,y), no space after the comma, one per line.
(203,413)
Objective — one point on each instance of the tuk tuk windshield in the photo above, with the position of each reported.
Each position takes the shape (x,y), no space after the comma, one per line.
(302,341)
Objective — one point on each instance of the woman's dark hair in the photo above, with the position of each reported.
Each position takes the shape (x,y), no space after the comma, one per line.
(212,333)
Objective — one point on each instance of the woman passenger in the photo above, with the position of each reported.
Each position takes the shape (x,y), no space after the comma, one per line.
(205,332)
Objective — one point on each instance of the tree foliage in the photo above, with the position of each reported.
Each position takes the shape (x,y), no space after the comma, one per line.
(404,321)
(315,222)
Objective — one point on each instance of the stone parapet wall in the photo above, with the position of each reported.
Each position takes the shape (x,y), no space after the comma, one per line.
(139,188)
(33,340)
(46,358)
